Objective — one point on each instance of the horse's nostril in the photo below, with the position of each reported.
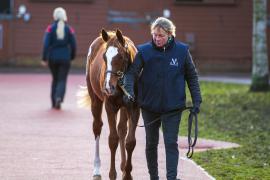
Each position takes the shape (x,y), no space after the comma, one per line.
(112,88)
(106,91)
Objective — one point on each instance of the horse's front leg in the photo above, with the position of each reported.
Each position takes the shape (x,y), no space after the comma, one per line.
(131,141)
(122,132)
(97,162)
(113,137)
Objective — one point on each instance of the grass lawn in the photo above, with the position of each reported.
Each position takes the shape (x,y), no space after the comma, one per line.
(231,113)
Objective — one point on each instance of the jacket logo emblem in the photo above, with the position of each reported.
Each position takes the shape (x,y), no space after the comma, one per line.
(174,62)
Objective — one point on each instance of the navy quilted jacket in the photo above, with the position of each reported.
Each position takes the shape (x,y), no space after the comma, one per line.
(162,74)
(56,50)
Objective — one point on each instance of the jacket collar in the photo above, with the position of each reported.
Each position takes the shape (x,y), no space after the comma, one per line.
(167,46)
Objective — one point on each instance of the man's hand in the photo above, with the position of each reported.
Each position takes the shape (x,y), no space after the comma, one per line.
(196,109)
(128,100)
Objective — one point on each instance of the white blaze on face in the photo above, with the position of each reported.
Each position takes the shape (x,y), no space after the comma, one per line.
(111,52)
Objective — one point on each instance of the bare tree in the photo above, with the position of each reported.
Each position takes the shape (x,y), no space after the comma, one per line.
(260,70)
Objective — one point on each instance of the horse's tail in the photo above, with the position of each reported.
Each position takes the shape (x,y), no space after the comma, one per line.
(83,98)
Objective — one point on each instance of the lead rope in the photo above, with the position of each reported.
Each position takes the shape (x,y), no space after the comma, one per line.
(192,116)
(192,143)
(121,85)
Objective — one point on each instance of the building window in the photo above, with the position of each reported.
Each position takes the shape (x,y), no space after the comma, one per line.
(206,2)
(5,7)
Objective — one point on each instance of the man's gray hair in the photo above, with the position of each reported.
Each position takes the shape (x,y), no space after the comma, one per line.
(164,23)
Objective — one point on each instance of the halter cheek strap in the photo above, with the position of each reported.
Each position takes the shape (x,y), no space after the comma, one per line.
(120,74)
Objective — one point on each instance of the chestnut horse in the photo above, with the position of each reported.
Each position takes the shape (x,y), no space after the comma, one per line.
(108,58)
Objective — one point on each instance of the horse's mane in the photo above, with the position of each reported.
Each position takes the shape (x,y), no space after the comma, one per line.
(131,47)
(98,42)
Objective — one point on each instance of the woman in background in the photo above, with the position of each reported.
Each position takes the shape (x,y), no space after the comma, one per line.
(59,49)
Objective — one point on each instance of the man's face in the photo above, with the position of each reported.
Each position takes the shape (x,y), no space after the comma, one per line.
(160,36)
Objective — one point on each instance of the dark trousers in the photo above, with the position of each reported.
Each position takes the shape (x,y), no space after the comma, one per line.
(59,73)
(170,126)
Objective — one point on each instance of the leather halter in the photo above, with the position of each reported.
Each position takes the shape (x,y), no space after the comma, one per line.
(120,74)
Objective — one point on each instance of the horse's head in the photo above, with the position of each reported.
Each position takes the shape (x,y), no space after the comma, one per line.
(117,58)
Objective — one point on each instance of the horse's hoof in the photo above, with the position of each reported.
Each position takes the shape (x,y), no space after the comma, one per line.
(127,177)
(113,175)
(97,177)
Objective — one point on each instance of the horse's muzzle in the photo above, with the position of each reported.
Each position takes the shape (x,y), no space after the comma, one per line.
(110,91)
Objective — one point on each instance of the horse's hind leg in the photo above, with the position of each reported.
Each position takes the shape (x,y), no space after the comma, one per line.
(131,141)
(96,108)
(122,132)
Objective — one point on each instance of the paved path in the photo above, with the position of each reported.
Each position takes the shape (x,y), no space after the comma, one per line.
(38,143)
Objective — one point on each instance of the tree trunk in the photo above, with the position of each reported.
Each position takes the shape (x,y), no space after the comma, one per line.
(260,71)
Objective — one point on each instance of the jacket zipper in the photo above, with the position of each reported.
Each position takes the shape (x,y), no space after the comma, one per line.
(163,79)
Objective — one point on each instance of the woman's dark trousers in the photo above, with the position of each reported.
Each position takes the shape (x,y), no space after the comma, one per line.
(170,127)
(59,73)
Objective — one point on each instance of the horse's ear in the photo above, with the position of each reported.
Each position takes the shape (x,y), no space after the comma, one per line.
(104,35)
(120,37)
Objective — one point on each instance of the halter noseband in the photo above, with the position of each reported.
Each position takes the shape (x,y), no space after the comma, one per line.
(119,74)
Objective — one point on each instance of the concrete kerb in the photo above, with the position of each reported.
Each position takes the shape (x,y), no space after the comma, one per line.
(188,165)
